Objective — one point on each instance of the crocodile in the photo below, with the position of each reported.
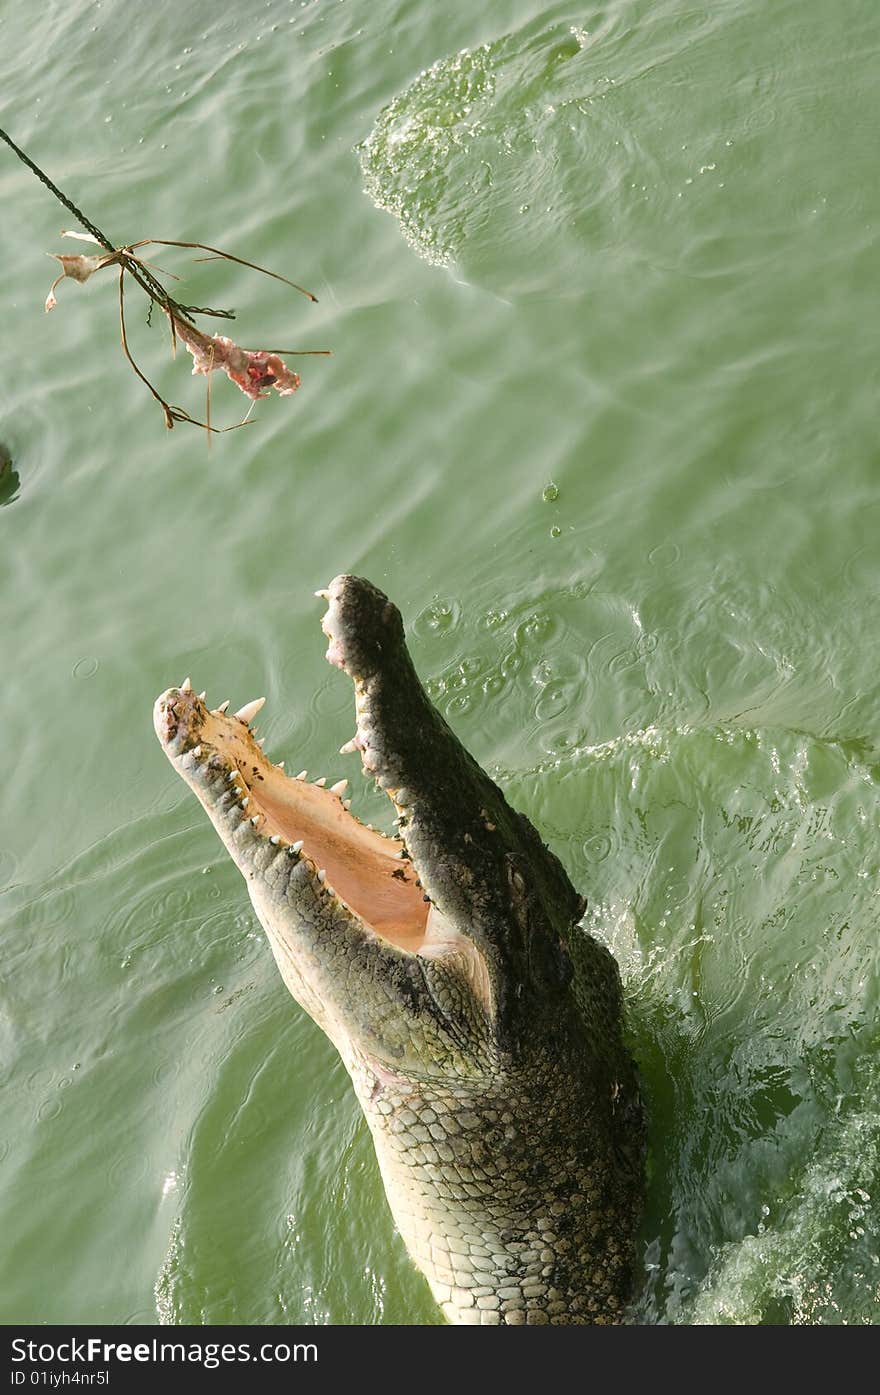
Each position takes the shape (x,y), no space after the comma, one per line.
(481,1025)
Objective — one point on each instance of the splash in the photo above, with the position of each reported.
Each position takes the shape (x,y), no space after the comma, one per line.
(818,1260)
(467,136)
(733,872)
(410,157)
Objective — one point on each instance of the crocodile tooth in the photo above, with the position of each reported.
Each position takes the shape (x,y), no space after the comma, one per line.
(297,847)
(250,710)
(233,776)
(186,686)
(280,765)
(255,820)
(203,695)
(322,781)
(246,801)
(302,774)
(322,874)
(261,742)
(197,751)
(349,748)
(275,838)
(223,706)
(339,788)
(346,804)
(323,595)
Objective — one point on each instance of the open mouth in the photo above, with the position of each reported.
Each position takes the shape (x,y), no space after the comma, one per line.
(467,879)
(368,873)
(264,814)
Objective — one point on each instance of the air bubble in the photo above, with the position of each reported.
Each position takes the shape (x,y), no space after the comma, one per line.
(439,617)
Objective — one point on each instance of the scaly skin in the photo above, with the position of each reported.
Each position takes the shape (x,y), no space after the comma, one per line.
(488,1059)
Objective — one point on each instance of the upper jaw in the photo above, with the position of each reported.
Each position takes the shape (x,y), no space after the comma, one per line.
(404,743)
(481,862)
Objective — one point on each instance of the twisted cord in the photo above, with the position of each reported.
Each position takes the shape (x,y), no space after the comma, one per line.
(148,283)
(62,198)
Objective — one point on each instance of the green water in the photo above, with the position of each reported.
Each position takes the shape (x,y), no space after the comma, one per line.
(625,251)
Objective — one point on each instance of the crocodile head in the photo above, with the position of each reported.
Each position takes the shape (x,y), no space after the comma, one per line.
(444,965)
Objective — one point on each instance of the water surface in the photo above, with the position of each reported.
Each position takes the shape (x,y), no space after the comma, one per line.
(601,417)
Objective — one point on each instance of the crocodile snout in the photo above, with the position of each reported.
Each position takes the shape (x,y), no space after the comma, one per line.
(178,716)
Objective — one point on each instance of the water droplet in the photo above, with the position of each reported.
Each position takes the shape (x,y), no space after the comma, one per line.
(439,617)
(551,493)
(555,532)
(534,629)
(460,705)
(494,618)
(511,664)
(552,702)
(623,661)
(664,555)
(85,668)
(597,848)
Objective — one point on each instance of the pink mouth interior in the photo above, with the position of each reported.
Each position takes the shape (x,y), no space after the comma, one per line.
(362,867)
